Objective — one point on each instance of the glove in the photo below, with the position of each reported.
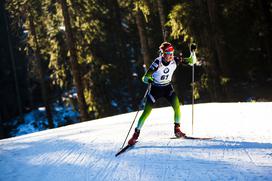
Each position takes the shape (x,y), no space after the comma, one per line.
(192,59)
(193,47)
(147,79)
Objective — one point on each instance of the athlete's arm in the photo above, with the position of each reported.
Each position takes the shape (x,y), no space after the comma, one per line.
(147,78)
(180,60)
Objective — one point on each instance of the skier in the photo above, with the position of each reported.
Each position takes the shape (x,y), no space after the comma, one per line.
(159,75)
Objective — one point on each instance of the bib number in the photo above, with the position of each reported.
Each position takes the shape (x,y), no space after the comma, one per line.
(164,77)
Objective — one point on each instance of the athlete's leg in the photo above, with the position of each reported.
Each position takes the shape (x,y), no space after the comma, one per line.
(174,101)
(145,114)
(147,110)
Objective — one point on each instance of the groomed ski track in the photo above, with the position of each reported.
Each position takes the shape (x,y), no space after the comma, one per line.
(241,148)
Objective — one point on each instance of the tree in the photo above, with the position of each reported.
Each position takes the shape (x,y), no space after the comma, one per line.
(73,60)
(165,32)
(41,71)
(217,38)
(217,46)
(28,18)
(18,93)
(142,32)
(186,23)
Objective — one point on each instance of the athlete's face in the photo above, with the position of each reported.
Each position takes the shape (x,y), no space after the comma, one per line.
(168,56)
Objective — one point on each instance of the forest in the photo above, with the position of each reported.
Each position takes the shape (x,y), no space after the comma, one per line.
(90,54)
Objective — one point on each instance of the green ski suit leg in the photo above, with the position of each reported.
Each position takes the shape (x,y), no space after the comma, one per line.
(147,110)
(173,100)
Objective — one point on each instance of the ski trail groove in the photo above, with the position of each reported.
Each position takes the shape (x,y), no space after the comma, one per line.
(249,156)
(142,168)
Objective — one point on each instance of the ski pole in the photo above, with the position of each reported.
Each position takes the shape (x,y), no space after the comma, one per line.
(193,56)
(193,82)
(143,100)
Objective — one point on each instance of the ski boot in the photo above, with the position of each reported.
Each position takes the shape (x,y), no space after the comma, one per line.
(134,138)
(177,131)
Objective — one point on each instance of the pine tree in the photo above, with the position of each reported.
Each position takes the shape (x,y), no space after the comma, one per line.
(74,61)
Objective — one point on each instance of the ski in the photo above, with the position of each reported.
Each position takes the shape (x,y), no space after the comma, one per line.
(122,150)
(193,138)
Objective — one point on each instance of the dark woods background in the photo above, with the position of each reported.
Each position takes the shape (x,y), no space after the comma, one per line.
(89,53)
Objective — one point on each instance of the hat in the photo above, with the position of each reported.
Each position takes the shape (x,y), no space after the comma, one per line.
(166,47)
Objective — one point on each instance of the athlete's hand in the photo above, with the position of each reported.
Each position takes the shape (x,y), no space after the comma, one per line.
(193,47)
(147,79)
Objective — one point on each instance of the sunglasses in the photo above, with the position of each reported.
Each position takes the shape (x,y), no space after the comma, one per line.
(169,53)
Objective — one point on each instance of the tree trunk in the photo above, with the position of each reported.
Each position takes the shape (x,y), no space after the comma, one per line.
(211,66)
(18,95)
(165,32)
(217,47)
(125,55)
(218,41)
(41,73)
(119,37)
(143,38)
(74,63)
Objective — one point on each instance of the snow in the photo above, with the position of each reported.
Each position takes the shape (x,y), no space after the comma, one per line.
(36,120)
(241,148)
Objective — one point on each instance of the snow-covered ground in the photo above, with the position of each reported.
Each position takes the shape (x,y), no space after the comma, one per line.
(36,120)
(241,148)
